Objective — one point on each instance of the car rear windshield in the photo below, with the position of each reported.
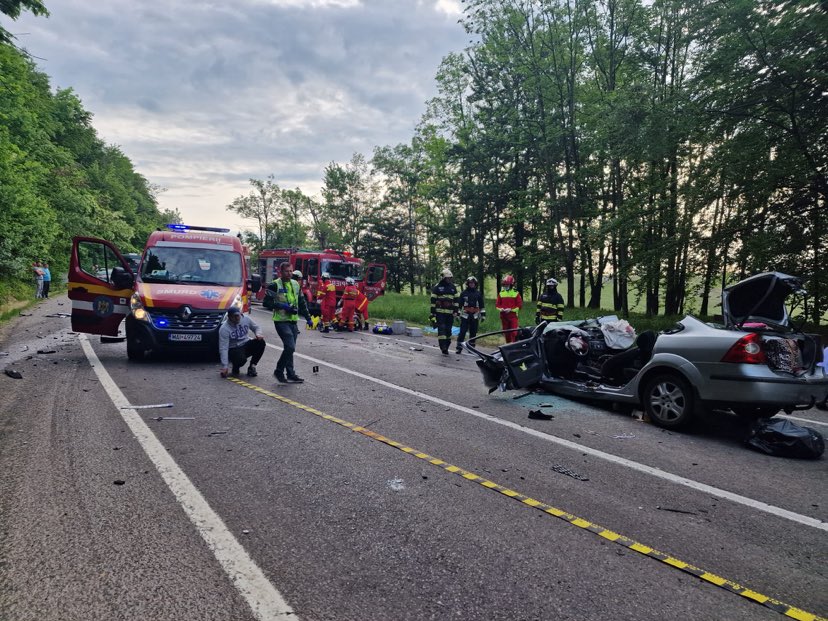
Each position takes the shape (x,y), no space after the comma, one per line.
(182,265)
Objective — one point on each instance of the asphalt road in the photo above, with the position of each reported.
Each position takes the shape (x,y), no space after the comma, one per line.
(254,500)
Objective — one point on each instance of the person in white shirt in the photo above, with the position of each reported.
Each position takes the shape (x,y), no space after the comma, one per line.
(236,344)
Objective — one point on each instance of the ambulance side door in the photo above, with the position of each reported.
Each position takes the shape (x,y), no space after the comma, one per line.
(101,283)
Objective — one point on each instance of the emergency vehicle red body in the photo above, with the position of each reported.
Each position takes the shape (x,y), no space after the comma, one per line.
(369,279)
(176,298)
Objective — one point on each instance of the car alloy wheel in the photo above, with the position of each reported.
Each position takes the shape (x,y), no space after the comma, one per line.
(669,401)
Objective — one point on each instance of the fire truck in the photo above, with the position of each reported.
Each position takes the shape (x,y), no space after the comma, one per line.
(370,279)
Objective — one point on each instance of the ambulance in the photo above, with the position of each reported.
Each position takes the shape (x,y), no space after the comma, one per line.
(174,300)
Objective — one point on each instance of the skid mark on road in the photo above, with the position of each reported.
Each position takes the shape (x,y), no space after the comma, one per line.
(630,544)
(264,600)
(582,448)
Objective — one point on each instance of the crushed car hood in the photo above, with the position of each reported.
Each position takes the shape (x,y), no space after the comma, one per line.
(760,298)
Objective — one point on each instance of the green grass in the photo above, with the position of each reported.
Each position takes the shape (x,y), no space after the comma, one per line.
(414,309)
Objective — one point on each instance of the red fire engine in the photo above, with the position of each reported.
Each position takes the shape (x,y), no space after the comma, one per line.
(370,279)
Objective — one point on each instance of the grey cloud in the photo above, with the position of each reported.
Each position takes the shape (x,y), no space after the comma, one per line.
(236,90)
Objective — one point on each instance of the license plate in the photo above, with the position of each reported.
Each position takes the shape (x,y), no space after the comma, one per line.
(185,337)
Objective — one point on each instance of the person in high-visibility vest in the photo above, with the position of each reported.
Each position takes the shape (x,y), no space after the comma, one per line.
(349,296)
(361,307)
(550,303)
(326,296)
(509,304)
(288,303)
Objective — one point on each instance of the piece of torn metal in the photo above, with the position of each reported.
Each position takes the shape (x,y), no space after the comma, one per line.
(14,374)
(538,415)
(570,473)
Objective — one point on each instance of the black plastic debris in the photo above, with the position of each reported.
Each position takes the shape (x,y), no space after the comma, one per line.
(538,415)
(14,374)
(46,351)
(783,438)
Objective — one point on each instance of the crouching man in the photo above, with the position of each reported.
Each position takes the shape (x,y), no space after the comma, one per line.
(236,344)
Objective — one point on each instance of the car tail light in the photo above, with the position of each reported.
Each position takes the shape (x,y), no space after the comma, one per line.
(747,350)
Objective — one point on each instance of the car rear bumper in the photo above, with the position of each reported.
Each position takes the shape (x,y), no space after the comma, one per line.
(781,391)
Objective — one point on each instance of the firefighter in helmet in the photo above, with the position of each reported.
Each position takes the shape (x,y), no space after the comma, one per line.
(444,309)
(550,303)
(349,296)
(471,311)
(326,296)
(509,304)
(362,308)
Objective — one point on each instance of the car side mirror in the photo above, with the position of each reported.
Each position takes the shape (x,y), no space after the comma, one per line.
(122,279)
(255,282)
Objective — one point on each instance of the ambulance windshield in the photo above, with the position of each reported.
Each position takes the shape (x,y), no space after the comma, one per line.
(181,265)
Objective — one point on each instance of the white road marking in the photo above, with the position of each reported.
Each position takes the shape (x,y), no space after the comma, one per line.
(804,420)
(265,601)
(628,463)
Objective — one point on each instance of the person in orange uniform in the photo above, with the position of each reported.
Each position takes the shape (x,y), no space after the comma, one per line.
(349,296)
(326,296)
(362,308)
(509,304)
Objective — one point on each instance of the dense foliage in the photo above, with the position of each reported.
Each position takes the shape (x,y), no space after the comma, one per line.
(57,178)
(665,147)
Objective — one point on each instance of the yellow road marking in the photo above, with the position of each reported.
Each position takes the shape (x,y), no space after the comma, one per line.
(670,561)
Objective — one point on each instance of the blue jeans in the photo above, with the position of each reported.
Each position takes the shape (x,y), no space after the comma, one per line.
(288,332)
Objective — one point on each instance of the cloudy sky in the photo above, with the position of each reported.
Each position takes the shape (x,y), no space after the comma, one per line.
(201,95)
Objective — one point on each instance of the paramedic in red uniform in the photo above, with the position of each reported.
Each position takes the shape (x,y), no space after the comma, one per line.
(509,303)
(326,296)
(362,308)
(349,296)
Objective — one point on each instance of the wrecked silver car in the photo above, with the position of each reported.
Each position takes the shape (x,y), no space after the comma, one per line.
(755,364)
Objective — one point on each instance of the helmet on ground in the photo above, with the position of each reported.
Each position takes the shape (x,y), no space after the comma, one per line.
(349,280)
(471,279)
(508,280)
(551,283)
(325,275)
(297,274)
(446,273)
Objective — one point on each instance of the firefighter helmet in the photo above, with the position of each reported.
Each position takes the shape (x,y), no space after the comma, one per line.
(297,274)
(325,275)
(508,280)
(349,281)
(446,273)
(551,283)
(471,279)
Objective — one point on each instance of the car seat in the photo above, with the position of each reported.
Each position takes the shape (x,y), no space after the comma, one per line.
(620,368)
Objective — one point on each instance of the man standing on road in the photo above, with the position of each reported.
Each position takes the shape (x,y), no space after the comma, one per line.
(38,274)
(509,304)
(349,296)
(236,345)
(471,311)
(47,280)
(444,309)
(289,304)
(550,303)
(326,296)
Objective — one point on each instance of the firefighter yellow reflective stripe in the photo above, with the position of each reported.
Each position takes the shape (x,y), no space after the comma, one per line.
(732,587)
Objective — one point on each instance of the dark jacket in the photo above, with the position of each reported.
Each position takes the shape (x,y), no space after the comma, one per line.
(471,303)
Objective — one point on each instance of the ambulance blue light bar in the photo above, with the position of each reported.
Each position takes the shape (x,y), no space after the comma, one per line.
(188,227)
